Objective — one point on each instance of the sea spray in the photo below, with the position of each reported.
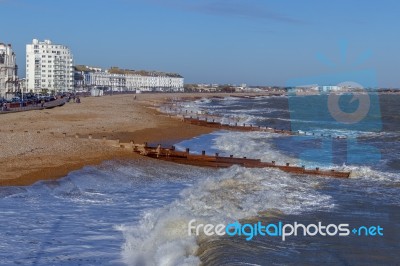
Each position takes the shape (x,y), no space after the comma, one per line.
(161,236)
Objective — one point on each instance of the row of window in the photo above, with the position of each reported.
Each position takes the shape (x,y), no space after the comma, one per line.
(52,66)
(52,52)
(38,80)
(52,46)
(55,57)
(50,81)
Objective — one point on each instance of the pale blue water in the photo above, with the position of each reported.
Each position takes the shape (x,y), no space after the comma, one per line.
(73,221)
(136,212)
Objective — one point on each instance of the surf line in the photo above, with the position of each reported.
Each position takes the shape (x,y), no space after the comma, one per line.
(217,161)
(206,122)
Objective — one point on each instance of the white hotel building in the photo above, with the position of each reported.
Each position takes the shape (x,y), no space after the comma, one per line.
(116,79)
(49,67)
(8,70)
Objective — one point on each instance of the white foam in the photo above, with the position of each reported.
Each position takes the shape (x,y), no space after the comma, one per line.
(367,173)
(255,145)
(159,240)
(162,237)
(203,101)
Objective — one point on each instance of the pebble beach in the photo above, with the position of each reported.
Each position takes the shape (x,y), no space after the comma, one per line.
(48,144)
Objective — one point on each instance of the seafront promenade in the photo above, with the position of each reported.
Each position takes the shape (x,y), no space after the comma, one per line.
(39,106)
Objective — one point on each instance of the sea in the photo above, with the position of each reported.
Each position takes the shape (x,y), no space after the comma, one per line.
(136,212)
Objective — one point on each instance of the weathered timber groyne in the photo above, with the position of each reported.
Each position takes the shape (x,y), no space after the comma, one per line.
(235,127)
(185,157)
(214,161)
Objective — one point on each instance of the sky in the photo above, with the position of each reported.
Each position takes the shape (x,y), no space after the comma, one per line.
(256,42)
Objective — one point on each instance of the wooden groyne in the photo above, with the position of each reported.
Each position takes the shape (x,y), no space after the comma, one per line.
(235,127)
(215,161)
(248,127)
(185,157)
(202,118)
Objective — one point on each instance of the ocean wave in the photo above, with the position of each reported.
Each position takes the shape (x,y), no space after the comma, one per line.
(161,237)
(367,173)
(257,145)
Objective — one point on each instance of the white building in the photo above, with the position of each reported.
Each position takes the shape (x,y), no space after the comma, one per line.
(49,67)
(8,70)
(329,88)
(126,80)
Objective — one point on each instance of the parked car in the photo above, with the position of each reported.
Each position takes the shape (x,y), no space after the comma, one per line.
(16,100)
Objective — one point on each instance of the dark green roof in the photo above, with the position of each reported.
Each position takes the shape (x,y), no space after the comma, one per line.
(116,70)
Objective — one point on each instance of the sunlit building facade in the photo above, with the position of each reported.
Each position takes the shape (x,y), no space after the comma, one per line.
(49,67)
(8,70)
(116,79)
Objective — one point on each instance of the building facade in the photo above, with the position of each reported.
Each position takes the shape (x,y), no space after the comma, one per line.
(329,88)
(49,67)
(8,70)
(115,79)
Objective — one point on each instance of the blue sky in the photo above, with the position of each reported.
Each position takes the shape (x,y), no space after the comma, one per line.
(257,42)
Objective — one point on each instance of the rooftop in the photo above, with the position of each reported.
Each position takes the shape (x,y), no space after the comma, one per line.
(116,70)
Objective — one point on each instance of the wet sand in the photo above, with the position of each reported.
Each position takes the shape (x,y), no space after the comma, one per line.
(48,144)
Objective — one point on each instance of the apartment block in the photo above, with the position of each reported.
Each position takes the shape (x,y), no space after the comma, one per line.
(49,67)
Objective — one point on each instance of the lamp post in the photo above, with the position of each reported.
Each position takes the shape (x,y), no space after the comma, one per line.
(18,84)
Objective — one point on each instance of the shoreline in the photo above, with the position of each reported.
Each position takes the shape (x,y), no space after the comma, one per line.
(33,146)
